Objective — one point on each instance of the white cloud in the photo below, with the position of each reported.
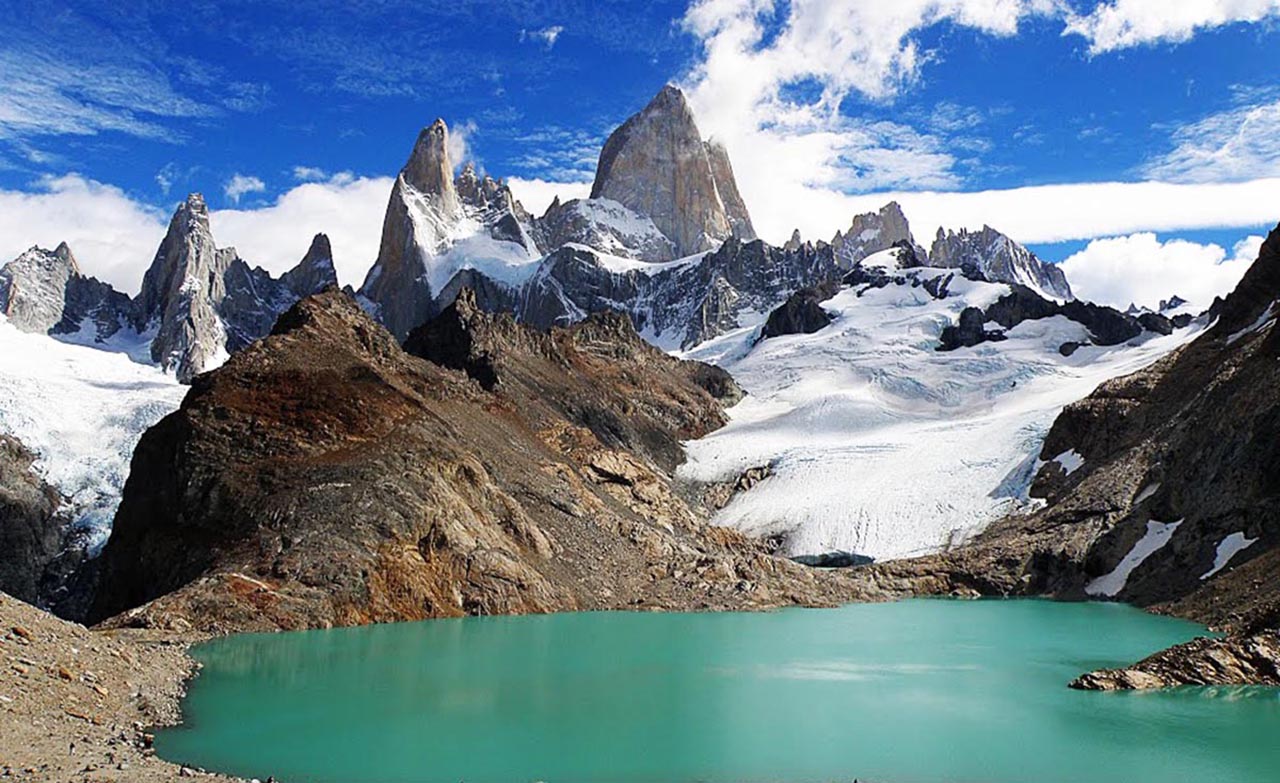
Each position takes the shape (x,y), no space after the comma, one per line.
(1053,213)
(1122,24)
(1240,143)
(112,236)
(537,194)
(460,142)
(275,237)
(309,174)
(775,102)
(1140,269)
(241,184)
(547,35)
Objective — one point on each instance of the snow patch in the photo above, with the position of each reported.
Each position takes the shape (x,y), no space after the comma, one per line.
(1070,461)
(1228,548)
(1157,535)
(1147,493)
(1265,320)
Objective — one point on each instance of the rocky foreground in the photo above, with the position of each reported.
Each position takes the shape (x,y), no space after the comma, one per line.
(78,705)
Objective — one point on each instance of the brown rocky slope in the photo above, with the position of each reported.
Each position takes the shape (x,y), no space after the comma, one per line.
(1192,439)
(324,476)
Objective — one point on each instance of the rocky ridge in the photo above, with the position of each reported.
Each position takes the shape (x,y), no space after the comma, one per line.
(534,477)
(999,259)
(198,302)
(45,291)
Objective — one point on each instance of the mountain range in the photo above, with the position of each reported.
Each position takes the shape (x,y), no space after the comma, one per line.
(628,401)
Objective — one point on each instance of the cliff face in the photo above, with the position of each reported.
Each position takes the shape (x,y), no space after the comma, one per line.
(44,291)
(657,165)
(179,292)
(323,476)
(30,530)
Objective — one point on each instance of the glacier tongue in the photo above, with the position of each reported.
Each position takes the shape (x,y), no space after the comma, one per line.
(81,410)
(880,444)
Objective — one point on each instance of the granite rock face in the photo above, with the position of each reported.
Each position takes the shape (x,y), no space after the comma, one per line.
(44,291)
(657,165)
(999,259)
(873,232)
(435,222)
(180,291)
(202,301)
(30,528)
(536,476)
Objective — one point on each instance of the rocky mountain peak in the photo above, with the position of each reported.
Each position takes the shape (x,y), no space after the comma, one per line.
(997,258)
(429,169)
(657,165)
(179,292)
(44,291)
(873,232)
(314,272)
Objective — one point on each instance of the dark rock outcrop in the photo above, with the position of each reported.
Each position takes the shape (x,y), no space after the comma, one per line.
(30,528)
(1106,325)
(802,313)
(970,331)
(324,476)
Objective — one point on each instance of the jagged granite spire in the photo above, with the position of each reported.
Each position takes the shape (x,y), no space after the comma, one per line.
(314,272)
(180,292)
(423,208)
(657,165)
(43,291)
(999,259)
(872,232)
(429,170)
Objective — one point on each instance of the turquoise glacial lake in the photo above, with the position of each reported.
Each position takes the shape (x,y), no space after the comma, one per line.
(920,691)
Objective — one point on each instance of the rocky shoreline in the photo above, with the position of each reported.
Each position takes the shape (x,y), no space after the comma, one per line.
(81,705)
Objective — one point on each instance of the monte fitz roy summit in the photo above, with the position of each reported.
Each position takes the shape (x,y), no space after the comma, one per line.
(665,237)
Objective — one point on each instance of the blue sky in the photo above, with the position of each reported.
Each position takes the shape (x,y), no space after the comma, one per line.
(826,107)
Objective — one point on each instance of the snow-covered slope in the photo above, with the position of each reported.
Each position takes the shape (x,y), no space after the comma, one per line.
(882,445)
(81,409)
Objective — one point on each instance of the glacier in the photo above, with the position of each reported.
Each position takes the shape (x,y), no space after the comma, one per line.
(876,442)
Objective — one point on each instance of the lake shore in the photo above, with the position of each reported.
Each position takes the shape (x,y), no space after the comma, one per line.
(79,704)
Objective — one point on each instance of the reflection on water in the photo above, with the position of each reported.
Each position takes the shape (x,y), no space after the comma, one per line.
(916,691)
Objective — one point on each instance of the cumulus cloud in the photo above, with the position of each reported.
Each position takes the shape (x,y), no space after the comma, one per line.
(1121,24)
(778,98)
(1140,269)
(537,194)
(275,237)
(112,236)
(240,184)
